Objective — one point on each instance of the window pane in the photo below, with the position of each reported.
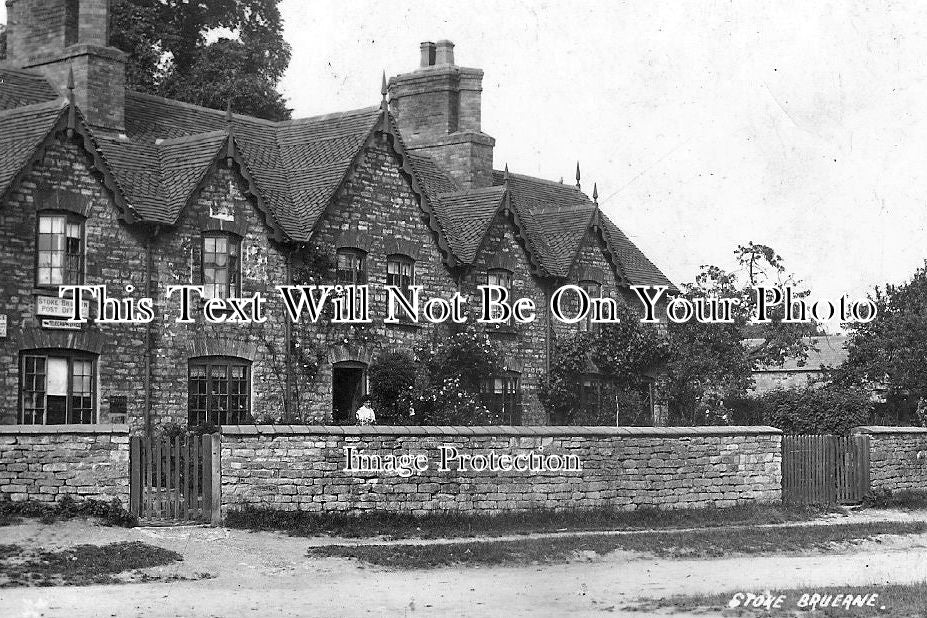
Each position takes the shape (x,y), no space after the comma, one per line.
(57,376)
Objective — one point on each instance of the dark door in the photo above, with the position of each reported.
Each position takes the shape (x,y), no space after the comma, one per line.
(347,393)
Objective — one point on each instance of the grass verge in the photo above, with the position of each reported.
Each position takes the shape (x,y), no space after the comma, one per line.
(683,544)
(110,513)
(898,600)
(450,525)
(906,500)
(80,565)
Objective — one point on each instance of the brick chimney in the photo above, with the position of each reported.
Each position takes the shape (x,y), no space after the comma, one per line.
(55,36)
(437,107)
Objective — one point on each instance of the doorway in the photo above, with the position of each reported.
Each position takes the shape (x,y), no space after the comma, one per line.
(348,389)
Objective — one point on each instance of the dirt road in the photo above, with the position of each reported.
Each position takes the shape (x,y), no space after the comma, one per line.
(265,574)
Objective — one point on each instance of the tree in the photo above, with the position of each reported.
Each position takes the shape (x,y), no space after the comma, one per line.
(708,364)
(890,350)
(2,42)
(170,52)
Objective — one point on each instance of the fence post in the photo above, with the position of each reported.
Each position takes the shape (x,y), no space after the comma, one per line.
(135,475)
(216,479)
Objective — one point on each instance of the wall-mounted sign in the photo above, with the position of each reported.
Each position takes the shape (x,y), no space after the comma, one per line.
(61,325)
(2,325)
(58,307)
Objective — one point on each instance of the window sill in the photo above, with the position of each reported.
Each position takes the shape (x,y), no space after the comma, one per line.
(405,325)
(72,428)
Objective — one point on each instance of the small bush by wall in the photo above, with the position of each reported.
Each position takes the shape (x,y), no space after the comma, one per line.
(807,410)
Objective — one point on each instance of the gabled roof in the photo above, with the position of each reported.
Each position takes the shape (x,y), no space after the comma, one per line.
(637,268)
(24,129)
(558,216)
(294,168)
(467,216)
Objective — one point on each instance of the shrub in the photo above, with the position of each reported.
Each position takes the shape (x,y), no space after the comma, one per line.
(451,370)
(392,379)
(812,409)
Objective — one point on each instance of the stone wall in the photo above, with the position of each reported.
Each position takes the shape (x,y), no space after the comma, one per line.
(46,463)
(62,181)
(303,467)
(897,458)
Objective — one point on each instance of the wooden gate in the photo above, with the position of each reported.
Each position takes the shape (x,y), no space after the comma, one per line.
(175,479)
(825,469)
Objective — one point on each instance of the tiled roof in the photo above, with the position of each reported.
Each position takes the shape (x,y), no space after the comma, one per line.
(295,167)
(22,88)
(638,269)
(558,216)
(23,129)
(825,350)
(466,216)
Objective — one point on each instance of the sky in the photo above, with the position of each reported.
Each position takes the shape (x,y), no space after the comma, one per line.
(801,125)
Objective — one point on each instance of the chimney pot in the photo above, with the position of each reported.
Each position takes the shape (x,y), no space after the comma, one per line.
(444,52)
(428,53)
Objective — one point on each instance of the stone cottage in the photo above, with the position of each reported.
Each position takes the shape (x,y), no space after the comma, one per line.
(100,185)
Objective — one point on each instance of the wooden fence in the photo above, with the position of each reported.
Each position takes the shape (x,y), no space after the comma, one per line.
(825,469)
(175,479)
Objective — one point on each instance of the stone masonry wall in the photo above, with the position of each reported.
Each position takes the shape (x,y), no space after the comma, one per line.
(46,463)
(524,345)
(303,467)
(897,458)
(115,256)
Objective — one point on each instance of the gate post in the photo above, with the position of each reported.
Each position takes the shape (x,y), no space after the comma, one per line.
(135,475)
(216,443)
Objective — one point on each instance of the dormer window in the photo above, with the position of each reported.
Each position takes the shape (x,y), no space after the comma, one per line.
(60,240)
(221,266)
(352,267)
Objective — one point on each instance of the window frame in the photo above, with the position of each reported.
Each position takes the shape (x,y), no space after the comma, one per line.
(402,260)
(79,272)
(232,240)
(71,357)
(361,257)
(510,395)
(508,274)
(207,412)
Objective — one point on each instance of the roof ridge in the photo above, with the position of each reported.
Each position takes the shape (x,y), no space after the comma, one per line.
(474,191)
(194,106)
(190,138)
(21,71)
(329,116)
(246,117)
(552,183)
(58,103)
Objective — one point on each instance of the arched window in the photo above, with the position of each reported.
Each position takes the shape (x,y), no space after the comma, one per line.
(219,390)
(60,255)
(221,265)
(57,387)
(400,272)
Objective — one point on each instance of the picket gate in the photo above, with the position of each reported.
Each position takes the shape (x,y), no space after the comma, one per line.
(175,479)
(824,469)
